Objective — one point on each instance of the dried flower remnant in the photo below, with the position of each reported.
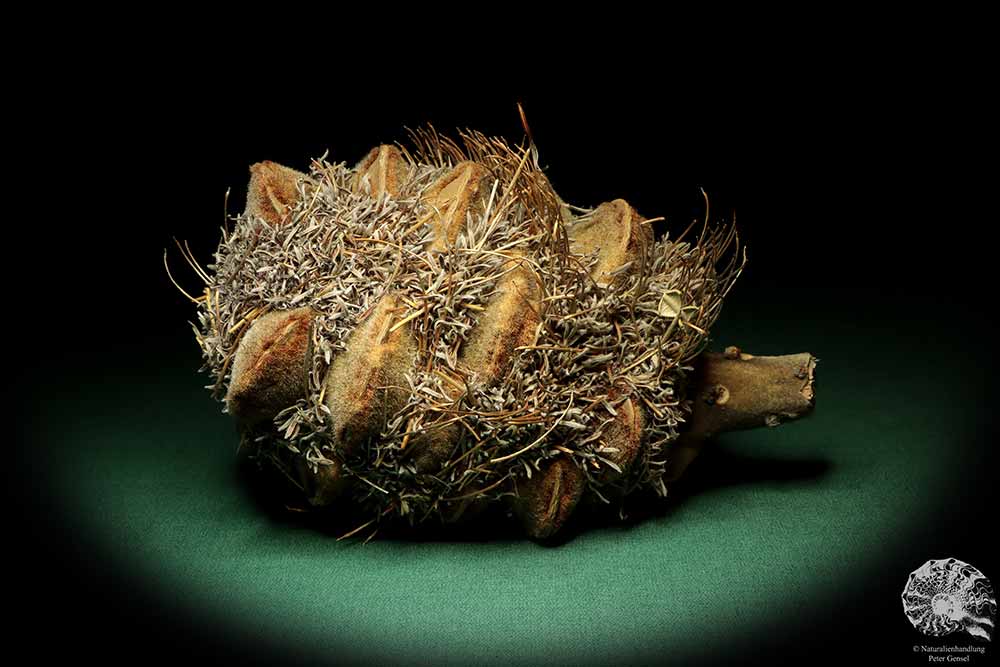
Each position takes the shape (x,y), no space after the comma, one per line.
(434,330)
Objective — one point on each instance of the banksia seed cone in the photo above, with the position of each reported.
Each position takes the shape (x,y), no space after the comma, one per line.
(435,329)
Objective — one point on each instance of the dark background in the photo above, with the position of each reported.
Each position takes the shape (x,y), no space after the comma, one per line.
(854,182)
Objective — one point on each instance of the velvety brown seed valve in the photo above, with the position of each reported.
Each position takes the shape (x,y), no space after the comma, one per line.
(509,322)
(366,383)
(615,231)
(271,365)
(458,193)
(545,505)
(623,438)
(323,485)
(382,170)
(272,192)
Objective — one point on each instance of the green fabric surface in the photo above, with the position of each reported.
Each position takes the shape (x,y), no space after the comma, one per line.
(780,518)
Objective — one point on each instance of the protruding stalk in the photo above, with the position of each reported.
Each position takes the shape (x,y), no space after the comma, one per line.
(736,391)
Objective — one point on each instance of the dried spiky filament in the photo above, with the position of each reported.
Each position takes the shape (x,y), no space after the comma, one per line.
(471,340)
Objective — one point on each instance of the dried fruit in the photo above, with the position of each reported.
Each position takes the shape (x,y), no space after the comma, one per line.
(434,329)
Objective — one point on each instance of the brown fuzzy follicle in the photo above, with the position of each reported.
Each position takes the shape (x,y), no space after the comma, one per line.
(546,503)
(271,365)
(272,192)
(616,232)
(451,198)
(623,434)
(366,383)
(508,321)
(382,171)
(324,485)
